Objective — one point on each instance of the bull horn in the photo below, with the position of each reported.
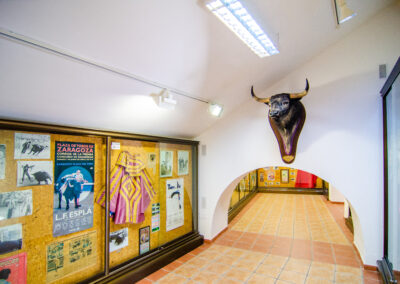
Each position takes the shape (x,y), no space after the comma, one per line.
(266,100)
(302,94)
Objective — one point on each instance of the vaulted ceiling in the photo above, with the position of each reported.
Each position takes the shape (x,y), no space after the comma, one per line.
(177,43)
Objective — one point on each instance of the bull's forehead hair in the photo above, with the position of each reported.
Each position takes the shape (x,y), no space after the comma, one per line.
(280,96)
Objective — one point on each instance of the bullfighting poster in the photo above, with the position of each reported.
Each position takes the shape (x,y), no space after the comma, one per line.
(31,146)
(175,204)
(73,187)
(71,255)
(13,269)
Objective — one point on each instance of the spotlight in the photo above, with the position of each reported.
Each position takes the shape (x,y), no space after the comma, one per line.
(343,12)
(215,109)
(166,100)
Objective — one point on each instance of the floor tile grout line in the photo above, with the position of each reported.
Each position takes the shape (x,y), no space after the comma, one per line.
(281,215)
(337,223)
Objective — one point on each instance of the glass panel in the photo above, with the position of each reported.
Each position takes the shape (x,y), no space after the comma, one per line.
(151,196)
(393,144)
(47,215)
(52,215)
(235,196)
(253,180)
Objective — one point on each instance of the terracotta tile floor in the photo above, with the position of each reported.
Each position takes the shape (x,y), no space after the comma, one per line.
(276,238)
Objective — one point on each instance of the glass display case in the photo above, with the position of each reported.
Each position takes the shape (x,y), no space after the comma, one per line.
(389,266)
(242,193)
(86,206)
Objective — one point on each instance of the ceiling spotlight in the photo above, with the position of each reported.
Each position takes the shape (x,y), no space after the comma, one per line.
(166,100)
(342,11)
(215,109)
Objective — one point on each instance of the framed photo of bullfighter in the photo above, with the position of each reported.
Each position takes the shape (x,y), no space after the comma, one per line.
(73,187)
(31,146)
(31,173)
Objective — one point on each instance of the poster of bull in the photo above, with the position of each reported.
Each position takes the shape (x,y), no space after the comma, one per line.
(31,146)
(286,116)
(32,173)
(73,187)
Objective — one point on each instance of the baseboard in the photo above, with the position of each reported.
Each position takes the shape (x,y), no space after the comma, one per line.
(135,271)
(370,267)
(294,190)
(336,202)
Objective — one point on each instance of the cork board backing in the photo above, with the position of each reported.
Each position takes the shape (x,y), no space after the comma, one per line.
(160,237)
(37,228)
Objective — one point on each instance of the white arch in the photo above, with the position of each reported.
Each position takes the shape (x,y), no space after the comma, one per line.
(223,202)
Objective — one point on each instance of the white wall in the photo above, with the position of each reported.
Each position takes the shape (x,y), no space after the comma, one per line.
(341,140)
(335,195)
(358,234)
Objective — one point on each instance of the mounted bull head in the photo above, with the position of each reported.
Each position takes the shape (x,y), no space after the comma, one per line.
(286,117)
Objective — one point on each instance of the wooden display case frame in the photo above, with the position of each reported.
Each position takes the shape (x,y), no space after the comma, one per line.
(138,267)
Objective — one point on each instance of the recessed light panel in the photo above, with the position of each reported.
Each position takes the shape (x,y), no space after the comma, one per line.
(238,20)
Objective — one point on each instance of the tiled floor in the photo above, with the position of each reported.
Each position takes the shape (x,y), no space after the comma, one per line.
(277,238)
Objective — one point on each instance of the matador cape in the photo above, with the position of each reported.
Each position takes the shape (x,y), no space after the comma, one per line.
(131,190)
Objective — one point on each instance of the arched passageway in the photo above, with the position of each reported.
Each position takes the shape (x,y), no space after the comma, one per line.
(277,237)
(298,215)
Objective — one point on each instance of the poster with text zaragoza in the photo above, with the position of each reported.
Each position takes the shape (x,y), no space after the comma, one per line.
(73,187)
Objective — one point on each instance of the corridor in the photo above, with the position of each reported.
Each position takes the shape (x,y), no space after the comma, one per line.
(276,238)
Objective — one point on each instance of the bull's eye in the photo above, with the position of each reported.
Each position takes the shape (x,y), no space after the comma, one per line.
(285,103)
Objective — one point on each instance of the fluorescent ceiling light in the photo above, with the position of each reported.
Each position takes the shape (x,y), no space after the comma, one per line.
(236,17)
(343,12)
(215,109)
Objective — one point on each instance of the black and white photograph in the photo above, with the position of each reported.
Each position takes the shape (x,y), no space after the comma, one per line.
(10,238)
(2,161)
(151,161)
(183,163)
(31,173)
(166,163)
(31,146)
(118,239)
(15,204)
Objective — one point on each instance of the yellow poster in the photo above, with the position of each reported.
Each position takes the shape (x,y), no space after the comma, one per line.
(70,255)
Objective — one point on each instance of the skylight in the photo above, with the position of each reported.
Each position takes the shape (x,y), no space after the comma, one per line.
(238,20)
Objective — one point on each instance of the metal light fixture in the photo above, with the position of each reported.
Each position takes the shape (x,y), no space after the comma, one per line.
(342,11)
(239,21)
(166,100)
(215,109)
